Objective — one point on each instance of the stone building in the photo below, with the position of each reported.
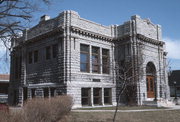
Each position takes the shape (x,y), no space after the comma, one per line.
(4,85)
(74,56)
(174,83)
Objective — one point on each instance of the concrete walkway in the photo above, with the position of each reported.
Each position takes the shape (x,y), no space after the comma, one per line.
(177,107)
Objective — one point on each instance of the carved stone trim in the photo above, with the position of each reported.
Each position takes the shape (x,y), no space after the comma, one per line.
(150,40)
(45,35)
(90,33)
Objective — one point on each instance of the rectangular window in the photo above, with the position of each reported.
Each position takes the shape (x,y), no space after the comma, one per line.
(95,59)
(46,92)
(35,56)
(105,61)
(107,95)
(86,96)
(48,52)
(52,92)
(97,96)
(55,50)
(84,58)
(30,57)
(32,93)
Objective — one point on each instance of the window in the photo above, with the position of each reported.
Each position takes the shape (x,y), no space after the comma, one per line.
(35,56)
(55,50)
(33,93)
(46,92)
(107,95)
(48,52)
(84,58)
(85,96)
(30,58)
(95,59)
(105,61)
(97,96)
(52,92)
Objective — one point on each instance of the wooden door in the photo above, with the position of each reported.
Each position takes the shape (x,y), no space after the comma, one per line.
(150,86)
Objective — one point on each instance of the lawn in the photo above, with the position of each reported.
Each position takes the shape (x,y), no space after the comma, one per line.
(151,116)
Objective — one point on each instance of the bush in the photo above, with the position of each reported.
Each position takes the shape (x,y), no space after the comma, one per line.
(40,110)
(47,110)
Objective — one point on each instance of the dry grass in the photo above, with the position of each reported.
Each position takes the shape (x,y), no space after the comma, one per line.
(40,110)
(155,116)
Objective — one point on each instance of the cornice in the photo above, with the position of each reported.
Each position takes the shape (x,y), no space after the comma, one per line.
(90,33)
(150,40)
(45,35)
(142,37)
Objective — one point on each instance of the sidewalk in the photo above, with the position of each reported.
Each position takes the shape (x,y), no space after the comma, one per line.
(177,107)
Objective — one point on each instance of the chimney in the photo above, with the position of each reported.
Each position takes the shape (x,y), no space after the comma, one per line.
(44,18)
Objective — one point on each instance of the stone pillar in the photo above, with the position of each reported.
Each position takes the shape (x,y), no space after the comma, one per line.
(100,56)
(102,96)
(90,59)
(92,96)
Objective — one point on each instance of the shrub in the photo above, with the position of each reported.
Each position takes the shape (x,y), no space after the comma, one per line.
(47,110)
(40,110)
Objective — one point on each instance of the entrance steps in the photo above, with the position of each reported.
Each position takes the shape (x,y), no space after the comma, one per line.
(159,103)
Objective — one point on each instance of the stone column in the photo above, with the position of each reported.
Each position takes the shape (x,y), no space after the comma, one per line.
(100,62)
(92,96)
(102,96)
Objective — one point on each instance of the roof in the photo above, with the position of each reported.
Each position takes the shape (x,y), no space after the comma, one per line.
(4,77)
(174,76)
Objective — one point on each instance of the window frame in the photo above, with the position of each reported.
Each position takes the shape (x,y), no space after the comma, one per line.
(54,50)
(95,54)
(30,57)
(88,57)
(109,96)
(48,52)
(36,56)
(86,98)
(105,65)
(97,97)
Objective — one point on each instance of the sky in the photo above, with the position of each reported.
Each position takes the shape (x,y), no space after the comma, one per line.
(107,12)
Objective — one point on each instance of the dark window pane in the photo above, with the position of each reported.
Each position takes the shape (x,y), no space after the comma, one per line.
(46,92)
(97,96)
(107,96)
(48,52)
(35,56)
(55,50)
(84,48)
(105,61)
(85,96)
(30,57)
(95,60)
(95,50)
(84,58)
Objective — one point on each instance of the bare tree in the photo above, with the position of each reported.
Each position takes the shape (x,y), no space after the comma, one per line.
(128,74)
(14,17)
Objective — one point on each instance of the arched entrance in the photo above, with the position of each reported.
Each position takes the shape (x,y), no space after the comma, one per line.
(150,80)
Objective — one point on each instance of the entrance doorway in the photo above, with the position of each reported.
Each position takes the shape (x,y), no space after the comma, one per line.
(150,86)
(150,80)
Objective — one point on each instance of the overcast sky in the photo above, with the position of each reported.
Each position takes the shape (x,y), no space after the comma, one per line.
(108,12)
